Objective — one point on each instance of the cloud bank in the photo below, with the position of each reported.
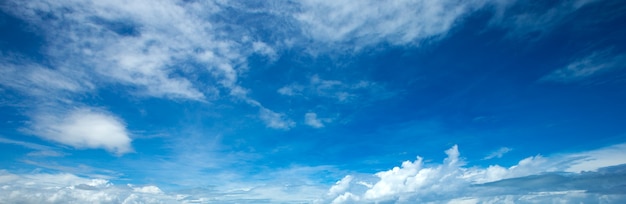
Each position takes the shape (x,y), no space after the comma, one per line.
(535,179)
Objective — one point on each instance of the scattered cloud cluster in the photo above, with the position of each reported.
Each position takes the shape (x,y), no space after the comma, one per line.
(69,188)
(340,91)
(534,179)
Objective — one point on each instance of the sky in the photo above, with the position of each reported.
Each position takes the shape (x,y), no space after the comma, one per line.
(407,101)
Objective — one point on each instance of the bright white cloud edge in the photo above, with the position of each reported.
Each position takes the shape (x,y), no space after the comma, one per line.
(414,181)
(84,128)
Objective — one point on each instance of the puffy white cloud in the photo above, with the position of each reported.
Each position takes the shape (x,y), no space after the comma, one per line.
(535,179)
(588,66)
(84,128)
(340,187)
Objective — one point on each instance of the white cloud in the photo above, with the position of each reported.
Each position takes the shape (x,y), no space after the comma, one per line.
(39,81)
(596,159)
(275,120)
(264,49)
(340,187)
(342,92)
(84,128)
(152,47)
(28,145)
(591,65)
(532,20)
(40,150)
(290,90)
(534,179)
(364,23)
(147,189)
(312,120)
(498,153)
(69,188)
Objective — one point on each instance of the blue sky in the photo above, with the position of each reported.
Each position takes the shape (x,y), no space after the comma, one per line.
(475,101)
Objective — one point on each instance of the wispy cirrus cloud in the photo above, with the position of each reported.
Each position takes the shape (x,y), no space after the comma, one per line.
(275,120)
(39,150)
(342,92)
(152,49)
(591,65)
(365,23)
(498,153)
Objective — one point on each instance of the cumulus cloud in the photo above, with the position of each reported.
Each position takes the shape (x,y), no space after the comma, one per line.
(84,128)
(534,179)
(596,63)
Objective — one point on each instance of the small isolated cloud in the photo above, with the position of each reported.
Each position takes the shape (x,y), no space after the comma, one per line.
(291,90)
(535,179)
(84,128)
(498,153)
(589,66)
(275,120)
(312,120)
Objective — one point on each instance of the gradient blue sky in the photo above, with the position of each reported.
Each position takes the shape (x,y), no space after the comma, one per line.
(472,101)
